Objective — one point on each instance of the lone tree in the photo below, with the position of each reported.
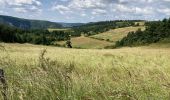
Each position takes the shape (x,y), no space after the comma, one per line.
(68,42)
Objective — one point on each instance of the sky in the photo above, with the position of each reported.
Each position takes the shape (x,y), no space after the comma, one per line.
(82,11)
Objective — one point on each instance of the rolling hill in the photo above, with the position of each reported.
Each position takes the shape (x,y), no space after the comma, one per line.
(86,43)
(155,32)
(101,40)
(28,24)
(116,34)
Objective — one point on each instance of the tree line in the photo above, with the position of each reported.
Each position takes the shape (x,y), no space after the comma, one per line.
(155,32)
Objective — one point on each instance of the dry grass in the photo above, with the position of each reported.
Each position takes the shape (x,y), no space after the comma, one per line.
(65,30)
(84,74)
(117,34)
(86,42)
(140,23)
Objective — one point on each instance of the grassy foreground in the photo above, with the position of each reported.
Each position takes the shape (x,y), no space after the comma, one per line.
(34,73)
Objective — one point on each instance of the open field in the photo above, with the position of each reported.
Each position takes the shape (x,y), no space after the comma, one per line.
(116,34)
(86,42)
(82,74)
(140,23)
(64,29)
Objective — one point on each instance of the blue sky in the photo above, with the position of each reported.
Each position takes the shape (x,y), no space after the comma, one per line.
(86,10)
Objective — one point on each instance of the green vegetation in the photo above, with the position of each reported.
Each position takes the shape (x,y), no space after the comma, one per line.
(43,36)
(15,35)
(28,24)
(155,32)
(76,74)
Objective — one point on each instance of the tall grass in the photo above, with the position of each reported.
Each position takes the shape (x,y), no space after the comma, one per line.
(47,80)
(64,74)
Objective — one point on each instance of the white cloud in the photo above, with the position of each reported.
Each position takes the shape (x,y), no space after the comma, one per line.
(22,2)
(129,8)
(103,6)
(87,4)
(99,11)
(122,8)
(62,9)
(83,14)
(165,11)
(167,0)
(144,11)
(22,5)
(2,12)
(79,6)
(133,9)
(107,9)
(63,0)
(21,10)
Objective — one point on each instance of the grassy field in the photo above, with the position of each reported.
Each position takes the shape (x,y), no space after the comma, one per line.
(161,44)
(51,73)
(116,34)
(65,30)
(140,23)
(86,42)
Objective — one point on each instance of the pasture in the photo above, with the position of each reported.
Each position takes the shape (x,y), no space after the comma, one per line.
(51,73)
(86,43)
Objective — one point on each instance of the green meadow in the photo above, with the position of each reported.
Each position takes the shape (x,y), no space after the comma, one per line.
(50,73)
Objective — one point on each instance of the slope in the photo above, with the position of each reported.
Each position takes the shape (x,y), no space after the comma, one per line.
(27,24)
(86,43)
(116,34)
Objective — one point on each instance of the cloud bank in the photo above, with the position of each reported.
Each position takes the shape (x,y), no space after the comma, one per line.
(88,10)
(122,9)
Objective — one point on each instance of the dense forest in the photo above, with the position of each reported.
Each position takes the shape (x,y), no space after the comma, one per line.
(155,32)
(15,35)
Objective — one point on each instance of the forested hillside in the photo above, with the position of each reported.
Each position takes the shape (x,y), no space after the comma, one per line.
(155,32)
(71,24)
(27,24)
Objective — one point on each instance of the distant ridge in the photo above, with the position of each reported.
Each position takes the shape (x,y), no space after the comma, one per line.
(28,24)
